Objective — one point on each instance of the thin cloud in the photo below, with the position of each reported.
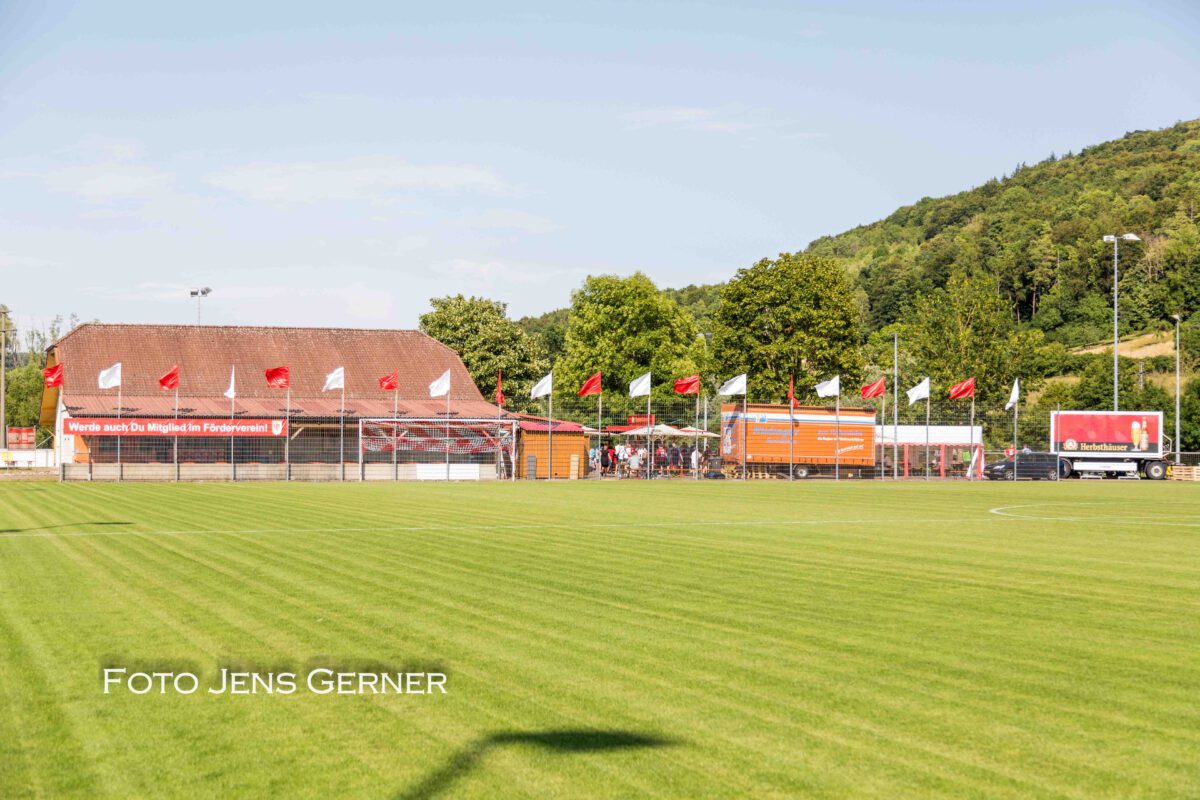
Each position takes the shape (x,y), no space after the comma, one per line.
(102,183)
(725,120)
(511,219)
(373,179)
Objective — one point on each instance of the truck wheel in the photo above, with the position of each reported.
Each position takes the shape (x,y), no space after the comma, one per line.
(1156,470)
(1064,468)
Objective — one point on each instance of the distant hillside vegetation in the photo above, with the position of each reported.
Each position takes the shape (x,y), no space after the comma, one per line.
(1039,233)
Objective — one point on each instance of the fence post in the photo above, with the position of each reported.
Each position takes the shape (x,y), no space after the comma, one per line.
(362,470)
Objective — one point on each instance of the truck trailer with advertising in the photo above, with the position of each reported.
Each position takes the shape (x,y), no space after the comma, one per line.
(819,438)
(1109,443)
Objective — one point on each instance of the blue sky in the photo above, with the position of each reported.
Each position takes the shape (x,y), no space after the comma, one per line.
(341,163)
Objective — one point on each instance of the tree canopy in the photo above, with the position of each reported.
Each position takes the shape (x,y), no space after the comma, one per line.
(794,315)
(625,327)
(480,331)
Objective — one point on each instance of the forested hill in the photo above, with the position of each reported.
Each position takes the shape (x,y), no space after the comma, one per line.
(1039,233)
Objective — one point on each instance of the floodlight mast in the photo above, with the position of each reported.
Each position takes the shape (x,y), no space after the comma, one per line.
(1178,445)
(1112,237)
(199,294)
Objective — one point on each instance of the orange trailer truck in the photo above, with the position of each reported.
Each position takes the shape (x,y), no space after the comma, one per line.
(819,437)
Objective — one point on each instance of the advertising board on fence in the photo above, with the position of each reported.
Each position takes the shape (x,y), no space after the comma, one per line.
(1100,432)
(144,426)
(22,438)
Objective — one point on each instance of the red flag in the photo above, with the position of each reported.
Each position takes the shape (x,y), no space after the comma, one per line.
(591,386)
(875,389)
(964,390)
(53,375)
(389,383)
(171,379)
(279,377)
(792,391)
(689,385)
(500,388)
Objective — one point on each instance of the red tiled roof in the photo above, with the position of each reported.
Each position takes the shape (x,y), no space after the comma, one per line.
(205,355)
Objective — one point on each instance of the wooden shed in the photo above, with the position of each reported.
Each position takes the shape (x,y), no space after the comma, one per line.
(570,442)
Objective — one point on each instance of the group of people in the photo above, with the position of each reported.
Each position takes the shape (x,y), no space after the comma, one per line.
(632,460)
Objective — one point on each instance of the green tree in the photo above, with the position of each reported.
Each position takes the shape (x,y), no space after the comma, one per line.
(967,329)
(794,315)
(624,327)
(23,398)
(480,331)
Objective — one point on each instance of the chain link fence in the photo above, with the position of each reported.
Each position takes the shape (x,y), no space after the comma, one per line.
(678,437)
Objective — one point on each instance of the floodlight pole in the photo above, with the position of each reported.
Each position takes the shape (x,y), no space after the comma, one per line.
(1178,443)
(1129,237)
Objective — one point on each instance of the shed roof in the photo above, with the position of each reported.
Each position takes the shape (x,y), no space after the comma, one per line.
(207,353)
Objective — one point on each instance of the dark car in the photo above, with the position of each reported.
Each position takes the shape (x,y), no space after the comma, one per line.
(1036,466)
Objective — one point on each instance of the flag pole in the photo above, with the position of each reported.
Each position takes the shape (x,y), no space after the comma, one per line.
(176,447)
(649,438)
(791,429)
(395,441)
(120,468)
(550,433)
(927,393)
(599,424)
(970,474)
(342,431)
(696,444)
(745,423)
(447,434)
(287,440)
(837,436)
(895,406)
(232,463)
(882,419)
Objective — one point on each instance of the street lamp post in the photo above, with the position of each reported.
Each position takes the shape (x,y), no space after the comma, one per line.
(1129,237)
(1178,444)
(200,294)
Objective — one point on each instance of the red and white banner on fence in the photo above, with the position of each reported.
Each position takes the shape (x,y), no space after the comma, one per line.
(22,438)
(143,426)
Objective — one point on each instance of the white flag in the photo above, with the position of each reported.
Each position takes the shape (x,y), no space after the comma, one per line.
(831,387)
(337,379)
(735,385)
(918,392)
(440,387)
(543,387)
(1015,396)
(231,392)
(111,378)
(640,386)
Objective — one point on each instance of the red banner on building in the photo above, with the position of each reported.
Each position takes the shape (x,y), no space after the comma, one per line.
(142,426)
(22,438)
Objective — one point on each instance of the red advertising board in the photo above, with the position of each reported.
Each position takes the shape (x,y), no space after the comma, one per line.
(143,426)
(1107,432)
(22,438)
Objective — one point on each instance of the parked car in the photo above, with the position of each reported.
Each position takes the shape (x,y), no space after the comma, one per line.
(1035,466)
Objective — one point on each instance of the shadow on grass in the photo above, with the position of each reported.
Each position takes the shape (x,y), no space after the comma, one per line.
(56,527)
(566,741)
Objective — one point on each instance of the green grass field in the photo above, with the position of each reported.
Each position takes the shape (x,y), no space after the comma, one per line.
(608,640)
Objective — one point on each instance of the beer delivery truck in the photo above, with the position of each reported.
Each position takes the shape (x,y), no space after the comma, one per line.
(1109,443)
(819,438)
